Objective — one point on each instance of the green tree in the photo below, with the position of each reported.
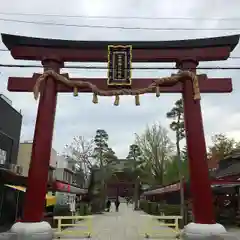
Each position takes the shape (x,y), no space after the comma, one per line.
(222,146)
(135,161)
(176,114)
(109,156)
(177,125)
(134,152)
(79,154)
(101,146)
(156,149)
(171,173)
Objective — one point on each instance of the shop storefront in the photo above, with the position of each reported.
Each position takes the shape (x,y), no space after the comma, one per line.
(11,203)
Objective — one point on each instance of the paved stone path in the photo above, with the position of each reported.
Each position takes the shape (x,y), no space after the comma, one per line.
(126,225)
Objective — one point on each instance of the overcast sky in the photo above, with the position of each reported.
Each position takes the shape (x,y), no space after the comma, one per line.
(78,116)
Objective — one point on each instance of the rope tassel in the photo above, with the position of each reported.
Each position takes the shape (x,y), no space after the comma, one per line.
(137,100)
(95,98)
(75,91)
(117,99)
(157,91)
(196,90)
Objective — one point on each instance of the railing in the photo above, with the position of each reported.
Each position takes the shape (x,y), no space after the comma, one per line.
(172,229)
(72,229)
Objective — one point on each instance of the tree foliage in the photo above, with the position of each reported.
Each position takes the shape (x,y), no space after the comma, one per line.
(104,155)
(134,152)
(177,116)
(102,152)
(171,173)
(156,149)
(177,125)
(101,145)
(109,156)
(79,152)
(222,146)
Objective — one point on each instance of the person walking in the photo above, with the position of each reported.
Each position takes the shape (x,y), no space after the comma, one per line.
(117,203)
(108,205)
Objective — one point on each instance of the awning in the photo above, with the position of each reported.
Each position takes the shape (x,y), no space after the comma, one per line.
(176,187)
(19,188)
(166,189)
(50,200)
(63,187)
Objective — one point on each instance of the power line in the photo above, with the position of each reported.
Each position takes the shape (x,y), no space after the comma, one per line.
(117,27)
(104,67)
(120,17)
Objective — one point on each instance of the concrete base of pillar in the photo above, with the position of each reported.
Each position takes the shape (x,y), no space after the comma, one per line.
(30,231)
(197,231)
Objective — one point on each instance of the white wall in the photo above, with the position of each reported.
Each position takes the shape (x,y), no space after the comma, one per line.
(24,157)
(58,174)
(53,159)
(61,162)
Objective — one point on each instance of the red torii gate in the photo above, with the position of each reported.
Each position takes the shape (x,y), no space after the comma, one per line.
(54,53)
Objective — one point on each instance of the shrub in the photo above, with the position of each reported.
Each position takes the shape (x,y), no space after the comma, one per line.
(83,209)
(156,208)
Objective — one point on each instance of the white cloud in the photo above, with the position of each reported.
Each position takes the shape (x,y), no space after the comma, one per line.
(78,116)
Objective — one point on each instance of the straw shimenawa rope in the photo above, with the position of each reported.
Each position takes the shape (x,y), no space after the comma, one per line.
(155,85)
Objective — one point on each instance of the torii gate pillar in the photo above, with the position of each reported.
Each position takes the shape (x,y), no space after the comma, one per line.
(200,184)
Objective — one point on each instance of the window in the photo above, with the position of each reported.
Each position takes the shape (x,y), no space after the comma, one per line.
(64,176)
(70,178)
(3,156)
(67,176)
(5,148)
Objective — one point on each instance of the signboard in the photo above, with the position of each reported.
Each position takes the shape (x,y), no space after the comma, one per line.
(119,65)
(62,187)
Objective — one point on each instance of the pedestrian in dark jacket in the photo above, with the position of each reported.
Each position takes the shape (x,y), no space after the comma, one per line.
(117,203)
(108,205)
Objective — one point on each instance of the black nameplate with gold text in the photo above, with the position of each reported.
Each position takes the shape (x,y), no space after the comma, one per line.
(119,65)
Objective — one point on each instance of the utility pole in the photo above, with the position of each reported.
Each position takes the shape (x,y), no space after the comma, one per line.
(135,185)
(182,205)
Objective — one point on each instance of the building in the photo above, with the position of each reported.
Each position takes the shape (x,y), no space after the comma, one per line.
(68,173)
(10,129)
(10,172)
(120,178)
(64,172)
(61,175)
(24,158)
(229,167)
(66,179)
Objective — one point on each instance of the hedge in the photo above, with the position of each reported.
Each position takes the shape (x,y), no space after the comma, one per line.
(158,209)
(83,209)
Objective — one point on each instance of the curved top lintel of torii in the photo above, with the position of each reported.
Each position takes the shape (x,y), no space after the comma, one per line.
(11,41)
